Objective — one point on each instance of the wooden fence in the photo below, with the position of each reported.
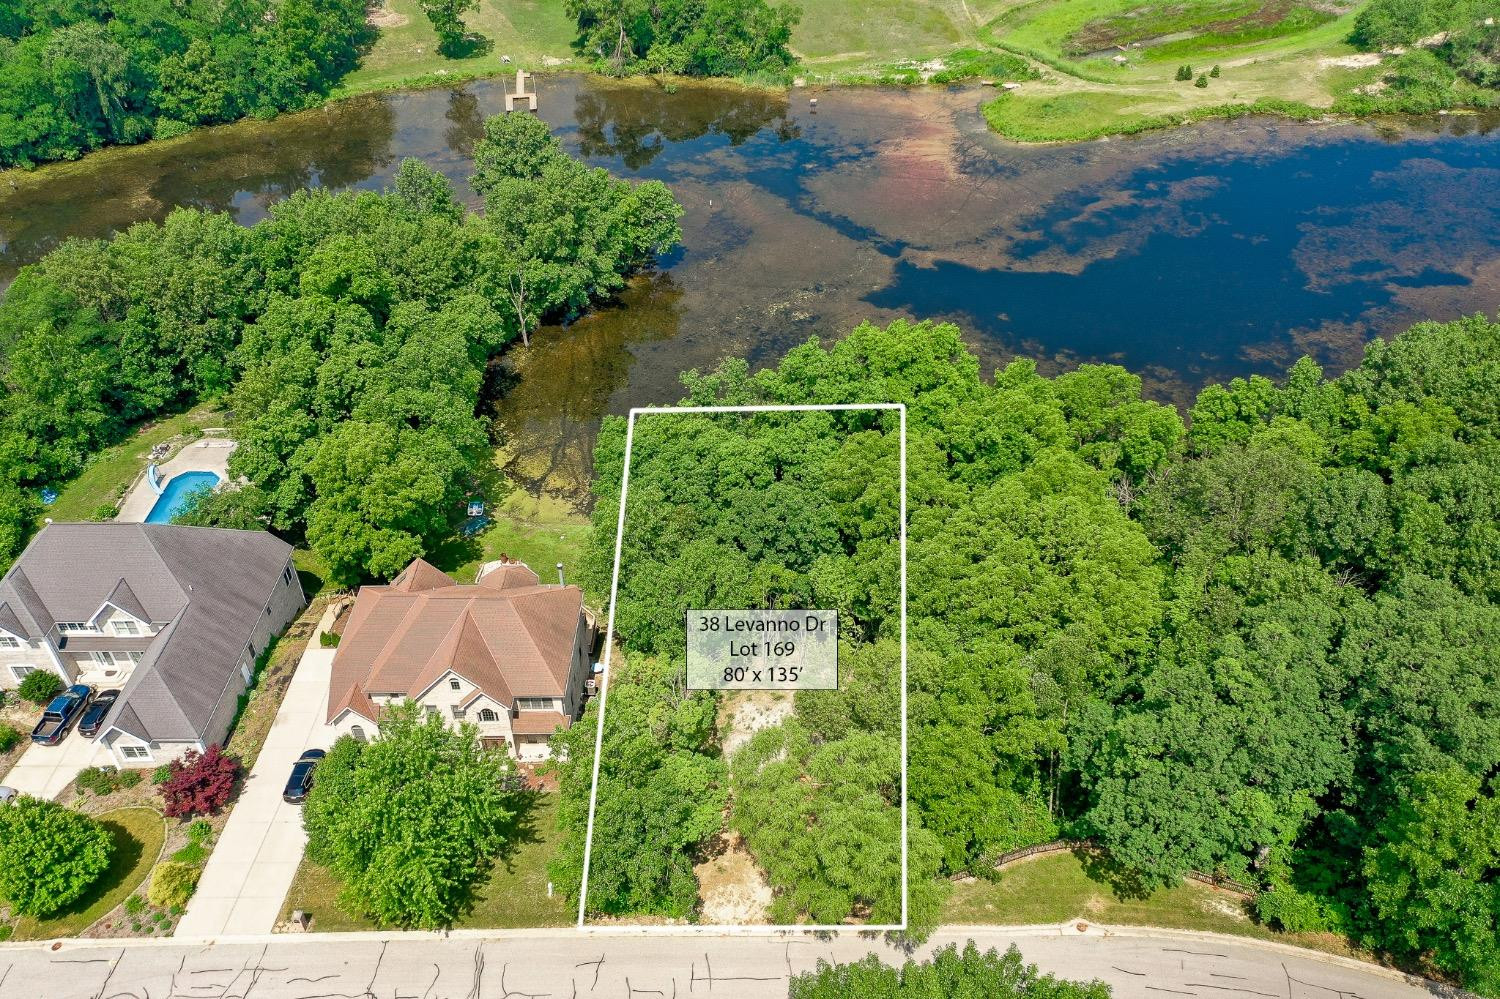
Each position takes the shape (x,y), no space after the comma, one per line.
(1063,845)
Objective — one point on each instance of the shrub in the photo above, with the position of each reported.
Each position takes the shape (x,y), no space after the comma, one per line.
(201,783)
(9,736)
(199,830)
(161,774)
(193,853)
(96,780)
(171,128)
(328,640)
(1214,72)
(1202,81)
(1184,73)
(40,686)
(172,883)
(104,511)
(5,931)
(49,855)
(128,778)
(135,905)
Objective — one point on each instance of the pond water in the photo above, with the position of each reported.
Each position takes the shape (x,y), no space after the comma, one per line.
(1187,256)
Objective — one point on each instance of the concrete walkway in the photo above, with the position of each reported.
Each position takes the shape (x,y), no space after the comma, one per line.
(211,454)
(45,771)
(256,857)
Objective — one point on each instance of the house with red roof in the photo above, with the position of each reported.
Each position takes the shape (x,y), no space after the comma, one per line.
(505,653)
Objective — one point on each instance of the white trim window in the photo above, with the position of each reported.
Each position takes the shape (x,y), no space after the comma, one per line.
(22,672)
(454,684)
(129,752)
(126,628)
(488,715)
(6,642)
(75,628)
(535,704)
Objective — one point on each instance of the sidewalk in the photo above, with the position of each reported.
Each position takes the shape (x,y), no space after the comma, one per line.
(257,855)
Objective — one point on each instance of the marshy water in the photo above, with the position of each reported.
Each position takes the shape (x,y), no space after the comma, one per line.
(1187,256)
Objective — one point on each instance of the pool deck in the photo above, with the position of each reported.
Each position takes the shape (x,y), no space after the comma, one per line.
(211,454)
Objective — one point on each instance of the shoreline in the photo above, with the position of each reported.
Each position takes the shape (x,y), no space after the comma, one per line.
(19,177)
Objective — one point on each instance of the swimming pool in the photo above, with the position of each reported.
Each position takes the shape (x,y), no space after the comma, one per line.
(175,495)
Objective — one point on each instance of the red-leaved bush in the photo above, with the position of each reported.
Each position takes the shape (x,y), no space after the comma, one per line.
(201,783)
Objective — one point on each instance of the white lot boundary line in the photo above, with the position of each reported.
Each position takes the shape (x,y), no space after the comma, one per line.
(609,634)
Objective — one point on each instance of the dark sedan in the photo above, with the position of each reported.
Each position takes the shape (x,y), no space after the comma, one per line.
(93,718)
(301,780)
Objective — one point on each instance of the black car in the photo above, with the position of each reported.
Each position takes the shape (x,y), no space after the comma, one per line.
(93,718)
(301,780)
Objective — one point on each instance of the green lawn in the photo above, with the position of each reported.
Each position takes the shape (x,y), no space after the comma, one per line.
(514,895)
(1061,887)
(138,835)
(540,531)
(105,478)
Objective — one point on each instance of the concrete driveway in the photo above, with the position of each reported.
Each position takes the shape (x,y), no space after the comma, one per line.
(257,855)
(44,771)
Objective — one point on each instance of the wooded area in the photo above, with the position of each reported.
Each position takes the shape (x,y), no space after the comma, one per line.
(1263,644)
(350,330)
(77,75)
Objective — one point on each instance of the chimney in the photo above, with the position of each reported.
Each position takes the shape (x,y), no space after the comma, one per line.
(560,581)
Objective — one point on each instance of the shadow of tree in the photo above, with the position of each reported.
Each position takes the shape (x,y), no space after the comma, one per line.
(1125,884)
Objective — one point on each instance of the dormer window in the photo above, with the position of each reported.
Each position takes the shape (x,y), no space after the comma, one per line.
(74,628)
(6,642)
(127,628)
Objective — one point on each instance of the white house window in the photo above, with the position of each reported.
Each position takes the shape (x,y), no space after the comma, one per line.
(21,672)
(134,752)
(455,684)
(287,573)
(357,732)
(534,703)
(129,628)
(488,715)
(115,658)
(6,642)
(74,628)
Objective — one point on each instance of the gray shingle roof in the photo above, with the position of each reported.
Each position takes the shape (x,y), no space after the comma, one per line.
(212,586)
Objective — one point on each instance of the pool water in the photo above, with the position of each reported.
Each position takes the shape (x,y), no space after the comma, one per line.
(175,495)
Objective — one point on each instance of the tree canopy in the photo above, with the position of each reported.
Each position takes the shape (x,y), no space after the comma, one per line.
(49,855)
(690,37)
(350,331)
(74,77)
(408,821)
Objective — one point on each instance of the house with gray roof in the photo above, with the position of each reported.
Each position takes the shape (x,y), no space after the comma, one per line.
(173,617)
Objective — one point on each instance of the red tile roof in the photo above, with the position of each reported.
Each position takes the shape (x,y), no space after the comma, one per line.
(508,636)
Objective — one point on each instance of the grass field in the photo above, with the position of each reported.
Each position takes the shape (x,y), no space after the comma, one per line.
(1059,887)
(514,895)
(138,834)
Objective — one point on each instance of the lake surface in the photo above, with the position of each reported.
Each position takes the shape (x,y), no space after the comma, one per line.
(1187,256)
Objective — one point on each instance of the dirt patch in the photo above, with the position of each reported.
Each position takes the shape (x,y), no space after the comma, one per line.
(733,888)
(1360,60)
(381,16)
(745,712)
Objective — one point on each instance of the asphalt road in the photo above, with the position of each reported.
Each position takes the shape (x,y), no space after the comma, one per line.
(563,964)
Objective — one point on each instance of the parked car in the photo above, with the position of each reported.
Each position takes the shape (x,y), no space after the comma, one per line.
(301,780)
(65,709)
(93,718)
(8,794)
